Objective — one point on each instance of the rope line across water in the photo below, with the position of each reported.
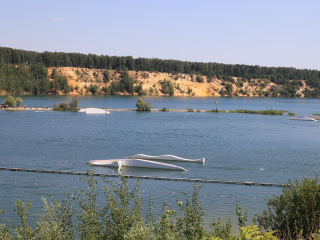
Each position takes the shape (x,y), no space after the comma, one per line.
(145,177)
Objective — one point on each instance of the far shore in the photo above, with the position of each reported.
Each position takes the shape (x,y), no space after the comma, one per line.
(159,110)
(113,109)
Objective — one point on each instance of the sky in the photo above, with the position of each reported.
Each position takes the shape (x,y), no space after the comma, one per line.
(277,33)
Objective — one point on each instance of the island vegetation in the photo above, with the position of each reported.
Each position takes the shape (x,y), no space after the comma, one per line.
(143,106)
(164,109)
(29,72)
(292,215)
(10,101)
(265,112)
(63,106)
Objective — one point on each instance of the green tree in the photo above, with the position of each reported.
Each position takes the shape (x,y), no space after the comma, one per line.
(171,89)
(93,89)
(19,101)
(229,88)
(106,77)
(143,106)
(73,105)
(199,79)
(10,101)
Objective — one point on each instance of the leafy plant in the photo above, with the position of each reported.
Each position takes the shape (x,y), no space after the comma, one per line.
(73,105)
(295,210)
(10,101)
(199,79)
(63,106)
(252,232)
(143,106)
(19,101)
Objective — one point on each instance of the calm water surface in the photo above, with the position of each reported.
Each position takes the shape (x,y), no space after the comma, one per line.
(237,147)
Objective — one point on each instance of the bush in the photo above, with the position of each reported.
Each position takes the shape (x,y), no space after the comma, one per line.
(167,87)
(229,88)
(164,110)
(143,106)
(295,211)
(222,92)
(93,89)
(119,218)
(190,110)
(63,106)
(199,79)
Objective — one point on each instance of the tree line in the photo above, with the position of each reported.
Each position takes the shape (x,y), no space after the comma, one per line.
(279,75)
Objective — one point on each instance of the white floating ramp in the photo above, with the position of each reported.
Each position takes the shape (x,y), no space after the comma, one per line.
(93,111)
(302,118)
(134,163)
(167,158)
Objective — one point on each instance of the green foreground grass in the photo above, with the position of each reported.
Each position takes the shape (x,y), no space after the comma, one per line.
(292,215)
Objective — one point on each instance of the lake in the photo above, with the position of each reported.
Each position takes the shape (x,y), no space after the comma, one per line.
(237,147)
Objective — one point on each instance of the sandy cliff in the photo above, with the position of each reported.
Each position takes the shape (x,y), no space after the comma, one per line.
(80,78)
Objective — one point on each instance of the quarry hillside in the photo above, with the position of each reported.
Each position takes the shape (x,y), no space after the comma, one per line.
(82,80)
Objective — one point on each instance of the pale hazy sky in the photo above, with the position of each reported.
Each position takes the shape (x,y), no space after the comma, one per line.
(267,33)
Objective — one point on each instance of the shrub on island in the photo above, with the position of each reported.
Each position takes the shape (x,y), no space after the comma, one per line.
(143,106)
(265,112)
(63,106)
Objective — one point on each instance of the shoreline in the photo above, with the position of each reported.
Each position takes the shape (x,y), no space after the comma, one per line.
(152,110)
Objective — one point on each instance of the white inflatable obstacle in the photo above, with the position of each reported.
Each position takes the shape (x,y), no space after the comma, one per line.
(166,158)
(134,163)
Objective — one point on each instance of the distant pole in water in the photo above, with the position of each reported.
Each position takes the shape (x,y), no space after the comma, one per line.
(216,106)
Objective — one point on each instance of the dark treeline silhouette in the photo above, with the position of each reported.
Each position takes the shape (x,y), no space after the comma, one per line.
(278,75)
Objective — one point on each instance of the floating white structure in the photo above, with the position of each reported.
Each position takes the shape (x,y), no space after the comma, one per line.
(93,111)
(302,118)
(167,158)
(134,163)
